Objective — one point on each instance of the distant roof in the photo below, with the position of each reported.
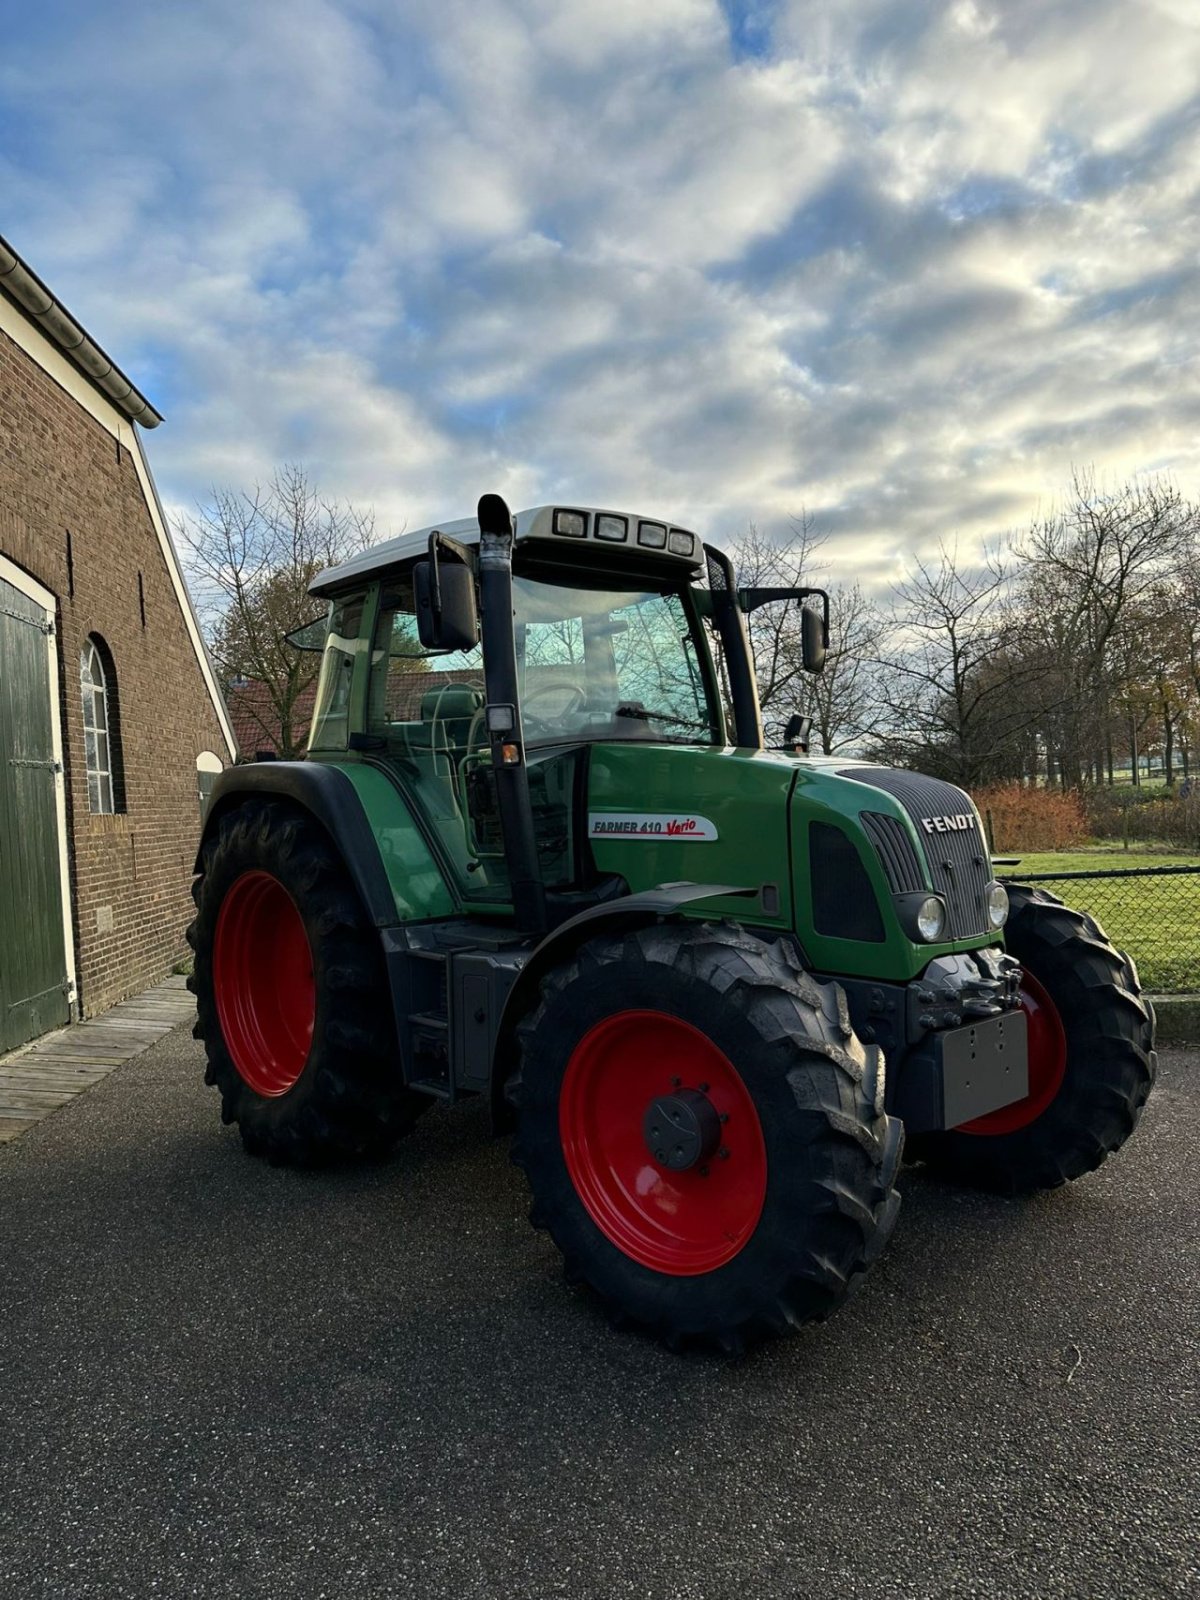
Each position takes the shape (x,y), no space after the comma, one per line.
(255,719)
(536,523)
(27,291)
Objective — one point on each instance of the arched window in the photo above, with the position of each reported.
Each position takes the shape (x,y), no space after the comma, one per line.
(101,727)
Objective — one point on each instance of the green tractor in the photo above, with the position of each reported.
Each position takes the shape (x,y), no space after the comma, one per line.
(538,853)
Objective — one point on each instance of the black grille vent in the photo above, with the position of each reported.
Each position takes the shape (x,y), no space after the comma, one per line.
(959,868)
(716,575)
(844,904)
(895,850)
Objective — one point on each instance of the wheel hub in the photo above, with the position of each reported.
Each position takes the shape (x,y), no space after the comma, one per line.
(681,1129)
(625,1076)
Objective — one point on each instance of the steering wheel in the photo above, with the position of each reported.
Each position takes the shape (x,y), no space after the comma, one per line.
(573,695)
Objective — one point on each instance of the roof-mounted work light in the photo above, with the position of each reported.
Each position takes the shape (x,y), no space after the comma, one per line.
(571,524)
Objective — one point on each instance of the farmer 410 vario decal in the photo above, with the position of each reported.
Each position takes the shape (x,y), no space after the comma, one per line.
(636,825)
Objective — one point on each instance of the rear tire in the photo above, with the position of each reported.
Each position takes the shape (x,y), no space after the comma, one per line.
(772,1234)
(292,999)
(1092,1061)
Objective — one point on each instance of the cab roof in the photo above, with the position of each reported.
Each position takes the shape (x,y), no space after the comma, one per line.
(647,538)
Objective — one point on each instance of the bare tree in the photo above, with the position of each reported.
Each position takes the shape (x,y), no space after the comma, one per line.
(252,556)
(761,563)
(958,682)
(846,701)
(842,700)
(1087,567)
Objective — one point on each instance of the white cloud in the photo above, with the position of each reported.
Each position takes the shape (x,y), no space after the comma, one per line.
(904,265)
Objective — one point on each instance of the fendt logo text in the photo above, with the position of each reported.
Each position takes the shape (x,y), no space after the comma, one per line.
(959,824)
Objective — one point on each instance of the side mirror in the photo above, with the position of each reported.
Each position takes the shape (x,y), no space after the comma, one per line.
(447,617)
(814,638)
(814,625)
(797,732)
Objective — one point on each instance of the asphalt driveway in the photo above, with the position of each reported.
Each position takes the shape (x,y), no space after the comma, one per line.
(217,1378)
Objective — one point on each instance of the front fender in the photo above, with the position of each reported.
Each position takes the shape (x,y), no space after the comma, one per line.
(612,916)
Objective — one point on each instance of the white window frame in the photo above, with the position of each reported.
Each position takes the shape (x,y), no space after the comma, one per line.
(94,687)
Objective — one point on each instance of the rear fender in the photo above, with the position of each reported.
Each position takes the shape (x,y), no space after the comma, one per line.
(328,796)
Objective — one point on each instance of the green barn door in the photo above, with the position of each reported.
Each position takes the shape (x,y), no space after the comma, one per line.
(33,989)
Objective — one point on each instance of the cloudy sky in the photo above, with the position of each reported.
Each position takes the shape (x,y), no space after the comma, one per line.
(901,262)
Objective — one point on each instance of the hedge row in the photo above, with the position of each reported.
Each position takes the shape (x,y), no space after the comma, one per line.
(1046,819)
(1032,819)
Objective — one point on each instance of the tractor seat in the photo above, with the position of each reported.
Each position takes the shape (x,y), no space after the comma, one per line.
(455,706)
(449,700)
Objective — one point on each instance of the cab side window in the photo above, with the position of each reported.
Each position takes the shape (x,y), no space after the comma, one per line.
(331,714)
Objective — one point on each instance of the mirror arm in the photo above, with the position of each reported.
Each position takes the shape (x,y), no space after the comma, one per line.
(435,582)
(824,594)
(751,599)
(440,541)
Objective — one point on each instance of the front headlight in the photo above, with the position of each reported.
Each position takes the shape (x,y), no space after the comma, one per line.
(922,916)
(997,904)
(931,919)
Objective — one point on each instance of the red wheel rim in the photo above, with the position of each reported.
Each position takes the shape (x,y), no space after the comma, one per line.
(1047,1064)
(263,974)
(682,1223)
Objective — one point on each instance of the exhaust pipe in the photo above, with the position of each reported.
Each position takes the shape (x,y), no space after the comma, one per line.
(503,713)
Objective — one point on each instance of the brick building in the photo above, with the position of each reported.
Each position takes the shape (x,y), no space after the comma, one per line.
(111,720)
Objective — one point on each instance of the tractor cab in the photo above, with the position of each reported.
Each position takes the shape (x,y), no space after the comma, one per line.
(611,618)
(606,652)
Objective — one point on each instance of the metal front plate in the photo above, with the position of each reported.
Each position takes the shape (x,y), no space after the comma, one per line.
(984,1066)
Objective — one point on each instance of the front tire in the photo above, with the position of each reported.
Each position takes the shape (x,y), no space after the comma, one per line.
(1091,1058)
(704,1134)
(292,999)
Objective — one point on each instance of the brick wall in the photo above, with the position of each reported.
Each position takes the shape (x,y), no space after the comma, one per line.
(62,473)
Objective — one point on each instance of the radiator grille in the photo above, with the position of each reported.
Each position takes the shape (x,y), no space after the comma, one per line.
(844,904)
(959,869)
(895,850)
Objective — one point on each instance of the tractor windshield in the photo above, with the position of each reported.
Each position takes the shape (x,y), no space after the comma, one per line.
(594,663)
(597,663)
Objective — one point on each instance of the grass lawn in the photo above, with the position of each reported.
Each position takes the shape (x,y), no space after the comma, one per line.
(1156,919)
(1101,859)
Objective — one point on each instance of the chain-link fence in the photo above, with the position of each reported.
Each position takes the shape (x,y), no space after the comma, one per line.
(1151,912)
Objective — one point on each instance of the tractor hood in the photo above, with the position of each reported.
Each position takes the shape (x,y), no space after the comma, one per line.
(828,843)
(673,813)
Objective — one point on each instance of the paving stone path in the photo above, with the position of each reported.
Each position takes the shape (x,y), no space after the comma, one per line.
(44,1075)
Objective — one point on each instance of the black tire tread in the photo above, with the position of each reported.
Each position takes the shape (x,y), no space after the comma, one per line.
(1111,1060)
(836,1085)
(351,1100)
